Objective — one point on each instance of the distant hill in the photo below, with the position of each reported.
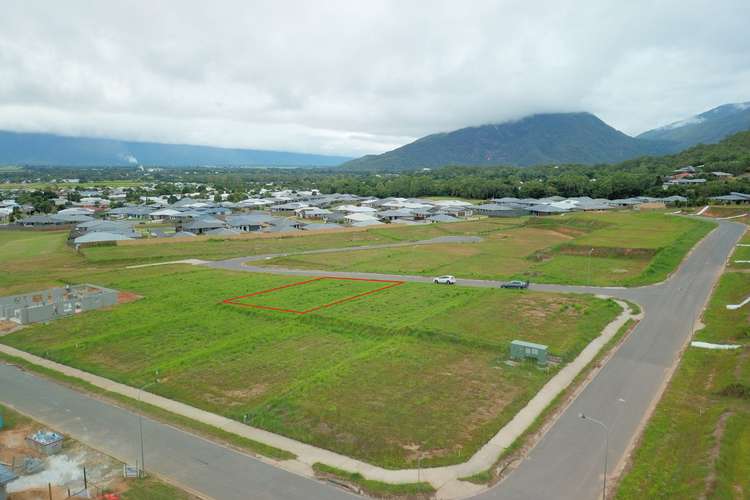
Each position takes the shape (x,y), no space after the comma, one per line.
(538,139)
(706,128)
(47,149)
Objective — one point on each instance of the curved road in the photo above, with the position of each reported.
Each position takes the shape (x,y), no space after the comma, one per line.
(566,463)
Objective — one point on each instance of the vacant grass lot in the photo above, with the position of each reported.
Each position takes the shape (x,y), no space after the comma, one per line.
(413,371)
(33,259)
(217,248)
(310,295)
(627,248)
(697,444)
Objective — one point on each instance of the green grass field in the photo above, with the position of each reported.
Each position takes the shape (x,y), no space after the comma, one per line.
(627,248)
(413,370)
(312,294)
(697,444)
(33,259)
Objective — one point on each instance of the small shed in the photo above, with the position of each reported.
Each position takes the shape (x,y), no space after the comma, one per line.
(520,349)
(6,476)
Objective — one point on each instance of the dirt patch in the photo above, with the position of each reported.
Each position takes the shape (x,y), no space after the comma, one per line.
(581,250)
(127,297)
(13,444)
(249,393)
(718,433)
(7,326)
(570,232)
(40,494)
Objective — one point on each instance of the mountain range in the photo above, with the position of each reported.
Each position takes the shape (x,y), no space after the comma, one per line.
(548,138)
(48,149)
(707,128)
(552,138)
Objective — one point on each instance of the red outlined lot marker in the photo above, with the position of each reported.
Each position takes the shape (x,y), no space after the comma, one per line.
(386,285)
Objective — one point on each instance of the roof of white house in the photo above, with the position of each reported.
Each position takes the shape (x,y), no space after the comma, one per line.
(360,217)
(355,209)
(167,212)
(452,203)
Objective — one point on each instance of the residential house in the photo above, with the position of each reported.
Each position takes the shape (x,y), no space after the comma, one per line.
(201,226)
(250,222)
(497,210)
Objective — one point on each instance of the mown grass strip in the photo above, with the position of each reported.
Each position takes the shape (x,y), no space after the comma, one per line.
(374,488)
(483,477)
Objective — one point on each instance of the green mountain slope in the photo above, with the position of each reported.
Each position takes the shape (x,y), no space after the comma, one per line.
(538,139)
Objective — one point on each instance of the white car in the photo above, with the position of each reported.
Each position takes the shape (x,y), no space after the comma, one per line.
(445,280)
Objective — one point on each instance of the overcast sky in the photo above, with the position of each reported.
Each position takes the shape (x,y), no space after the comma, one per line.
(359,76)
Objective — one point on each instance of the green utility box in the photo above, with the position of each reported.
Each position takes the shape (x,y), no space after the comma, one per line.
(520,350)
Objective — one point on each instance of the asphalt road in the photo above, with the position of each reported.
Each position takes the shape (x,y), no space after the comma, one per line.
(207,468)
(567,463)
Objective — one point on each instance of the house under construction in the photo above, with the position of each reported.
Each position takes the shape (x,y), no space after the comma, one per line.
(54,303)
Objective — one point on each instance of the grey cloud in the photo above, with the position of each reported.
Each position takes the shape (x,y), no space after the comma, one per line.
(359,77)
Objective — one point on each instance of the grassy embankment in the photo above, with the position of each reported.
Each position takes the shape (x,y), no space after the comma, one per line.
(697,444)
(412,371)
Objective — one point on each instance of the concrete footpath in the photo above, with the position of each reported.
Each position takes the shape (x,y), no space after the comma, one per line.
(445,479)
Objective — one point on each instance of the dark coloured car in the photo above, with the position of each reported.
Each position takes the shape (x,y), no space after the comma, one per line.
(515,284)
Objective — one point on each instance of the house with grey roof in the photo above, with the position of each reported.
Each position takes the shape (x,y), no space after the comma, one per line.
(498,210)
(288,208)
(313,213)
(442,218)
(547,210)
(283,226)
(732,197)
(673,200)
(99,237)
(203,225)
(250,222)
(130,212)
(53,220)
(394,214)
(321,226)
